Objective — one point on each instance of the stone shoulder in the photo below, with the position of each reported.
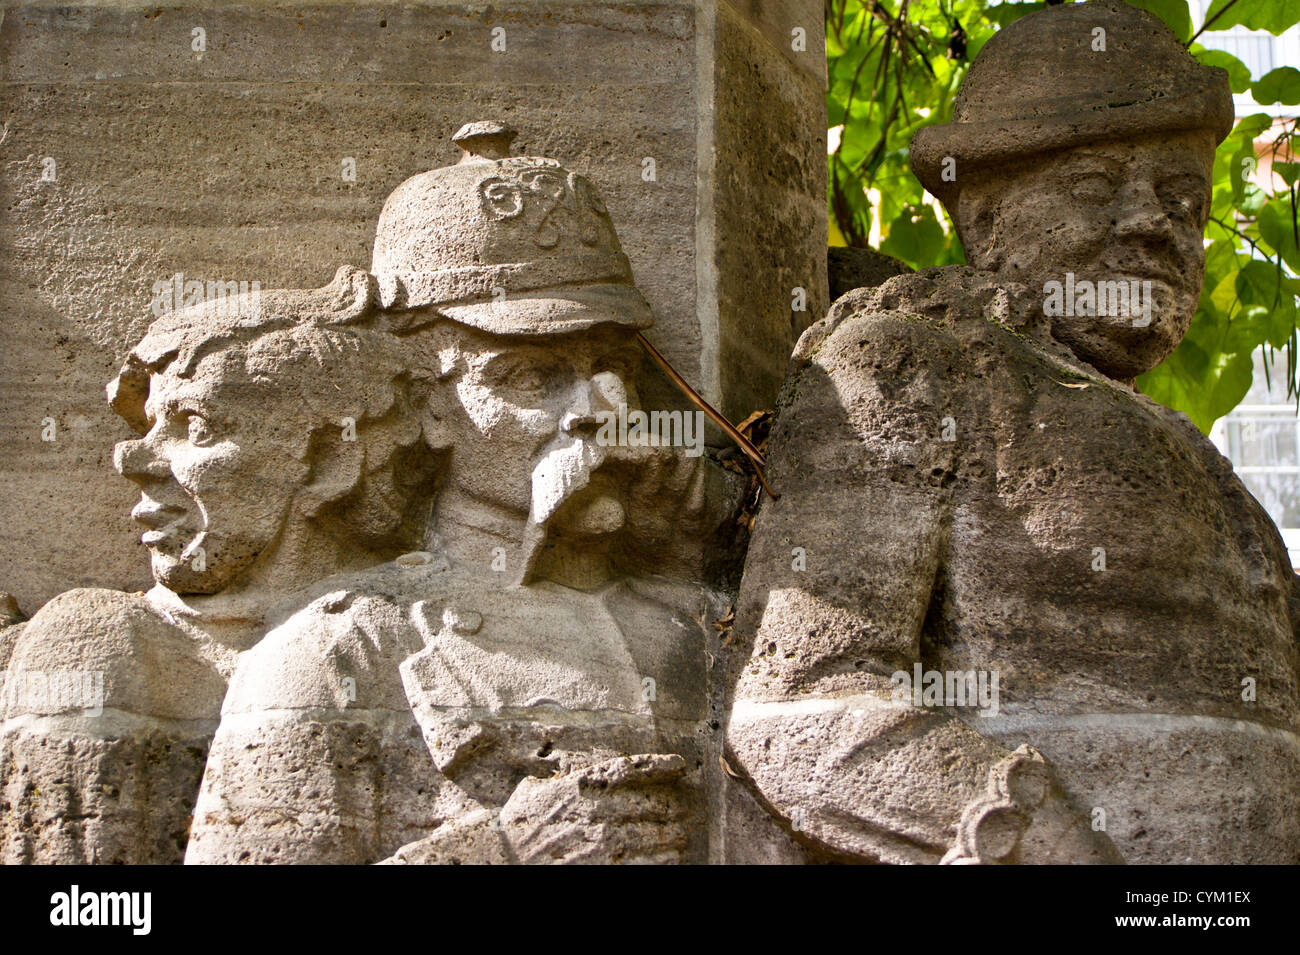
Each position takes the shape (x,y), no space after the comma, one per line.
(941,302)
(148,666)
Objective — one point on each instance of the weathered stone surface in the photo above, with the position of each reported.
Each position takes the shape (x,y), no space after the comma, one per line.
(108,712)
(969,485)
(226,165)
(767,207)
(848,269)
(413,563)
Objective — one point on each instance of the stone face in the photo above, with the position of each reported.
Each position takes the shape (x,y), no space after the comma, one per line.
(970,491)
(227,165)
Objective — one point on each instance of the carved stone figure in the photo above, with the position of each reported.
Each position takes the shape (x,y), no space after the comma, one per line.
(978,494)
(398,577)
(279,443)
(530,687)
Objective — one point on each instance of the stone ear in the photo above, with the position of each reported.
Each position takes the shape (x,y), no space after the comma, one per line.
(336,466)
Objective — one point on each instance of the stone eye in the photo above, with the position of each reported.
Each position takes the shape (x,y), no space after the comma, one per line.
(1182,197)
(526,378)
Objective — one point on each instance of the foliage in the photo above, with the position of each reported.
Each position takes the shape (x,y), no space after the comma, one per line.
(896,65)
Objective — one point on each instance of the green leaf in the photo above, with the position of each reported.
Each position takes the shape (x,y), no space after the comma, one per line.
(1252,201)
(1249,127)
(1220,259)
(1289,171)
(1271,15)
(1238,72)
(1235,373)
(1282,322)
(1257,284)
(915,237)
(1004,13)
(1223,296)
(1172,12)
(1278,86)
(1277,227)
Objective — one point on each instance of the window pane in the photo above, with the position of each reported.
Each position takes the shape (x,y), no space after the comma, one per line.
(1263,442)
(1279,494)
(1253,50)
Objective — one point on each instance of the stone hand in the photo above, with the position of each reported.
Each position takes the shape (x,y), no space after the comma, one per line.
(621,810)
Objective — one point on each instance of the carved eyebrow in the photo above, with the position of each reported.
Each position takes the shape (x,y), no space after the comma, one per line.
(531,354)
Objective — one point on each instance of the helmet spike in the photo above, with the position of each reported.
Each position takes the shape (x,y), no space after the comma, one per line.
(484,140)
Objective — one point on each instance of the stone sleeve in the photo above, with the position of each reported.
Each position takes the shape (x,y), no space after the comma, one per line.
(318,758)
(837,586)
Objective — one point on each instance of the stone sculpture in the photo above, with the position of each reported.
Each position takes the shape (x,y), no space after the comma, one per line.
(524,690)
(973,491)
(398,579)
(250,491)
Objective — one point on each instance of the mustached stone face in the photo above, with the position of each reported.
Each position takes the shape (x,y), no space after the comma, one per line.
(533,408)
(217,471)
(1111,212)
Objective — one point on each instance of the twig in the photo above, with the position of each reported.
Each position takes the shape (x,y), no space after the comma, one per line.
(1206,25)
(741,441)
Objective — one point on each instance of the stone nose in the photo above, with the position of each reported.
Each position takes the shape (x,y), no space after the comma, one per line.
(594,398)
(137,460)
(1141,214)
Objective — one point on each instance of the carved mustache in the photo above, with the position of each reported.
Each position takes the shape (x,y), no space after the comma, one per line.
(564,468)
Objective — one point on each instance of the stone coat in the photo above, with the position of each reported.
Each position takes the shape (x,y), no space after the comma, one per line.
(984,552)
(412,714)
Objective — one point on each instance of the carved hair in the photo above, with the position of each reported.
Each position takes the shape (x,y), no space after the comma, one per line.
(374,489)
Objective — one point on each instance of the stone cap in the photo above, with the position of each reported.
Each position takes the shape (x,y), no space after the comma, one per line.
(513,245)
(1039,85)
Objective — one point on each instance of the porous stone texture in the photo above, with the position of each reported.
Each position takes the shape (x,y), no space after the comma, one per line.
(969,484)
(106,769)
(768,203)
(227,165)
(389,728)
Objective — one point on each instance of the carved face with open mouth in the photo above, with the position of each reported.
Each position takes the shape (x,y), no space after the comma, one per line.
(218,469)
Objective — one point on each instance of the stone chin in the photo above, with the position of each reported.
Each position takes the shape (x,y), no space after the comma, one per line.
(1119,347)
(200,566)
